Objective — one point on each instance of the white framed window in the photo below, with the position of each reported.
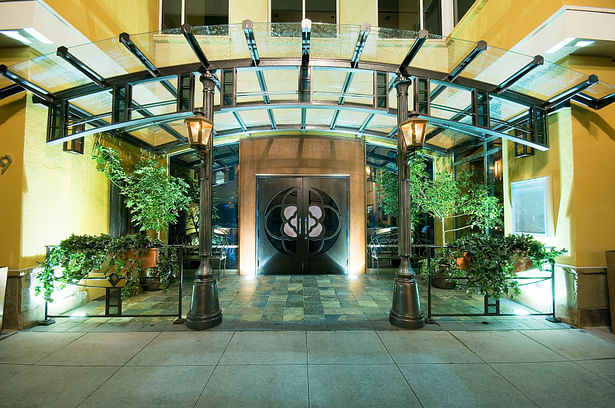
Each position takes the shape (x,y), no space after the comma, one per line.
(174,13)
(532,207)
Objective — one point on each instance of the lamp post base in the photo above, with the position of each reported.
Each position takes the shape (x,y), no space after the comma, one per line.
(406,310)
(204,306)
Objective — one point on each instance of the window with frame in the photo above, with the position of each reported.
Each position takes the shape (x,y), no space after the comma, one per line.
(174,13)
(531,206)
(290,11)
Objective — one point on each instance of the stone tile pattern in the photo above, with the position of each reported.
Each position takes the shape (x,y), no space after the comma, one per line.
(357,368)
(313,302)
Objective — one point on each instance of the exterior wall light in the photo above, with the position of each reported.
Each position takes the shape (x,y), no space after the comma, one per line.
(413,130)
(199,130)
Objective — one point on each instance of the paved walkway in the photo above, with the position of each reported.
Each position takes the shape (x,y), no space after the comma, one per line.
(54,367)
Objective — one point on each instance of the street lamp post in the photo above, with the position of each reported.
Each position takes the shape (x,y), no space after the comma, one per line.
(406,308)
(204,305)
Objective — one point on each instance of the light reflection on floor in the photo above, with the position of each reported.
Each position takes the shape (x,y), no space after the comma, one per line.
(314,302)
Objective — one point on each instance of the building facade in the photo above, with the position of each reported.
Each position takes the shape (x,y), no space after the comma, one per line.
(311,155)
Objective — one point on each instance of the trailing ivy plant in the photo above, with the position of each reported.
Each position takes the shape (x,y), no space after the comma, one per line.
(153,197)
(76,257)
(488,261)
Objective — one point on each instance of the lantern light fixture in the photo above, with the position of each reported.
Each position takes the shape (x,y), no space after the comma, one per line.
(413,130)
(199,130)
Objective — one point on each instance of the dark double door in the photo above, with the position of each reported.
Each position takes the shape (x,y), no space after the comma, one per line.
(302,224)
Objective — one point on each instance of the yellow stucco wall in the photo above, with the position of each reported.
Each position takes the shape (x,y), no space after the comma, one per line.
(503,23)
(255,10)
(594,169)
(12,126)
(99,20)
(358,12)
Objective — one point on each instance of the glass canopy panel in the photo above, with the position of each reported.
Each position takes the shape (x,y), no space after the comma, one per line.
(50,72)
(450,102)
(96,104)
(547,81)
(109,58)
(448,139)
(282,83)
(495,65)
(351,119)
(504,110)
(319,117)
(287,116)
(599,90)
(225,121)
(277,40)
(442,55)
(333,41)
(327,84)
(382,123)
(221,42)
(387,45)
(165,49)
(179,127)
(255,117)
(153,135)
(154,97)
(247,87)
(361,88)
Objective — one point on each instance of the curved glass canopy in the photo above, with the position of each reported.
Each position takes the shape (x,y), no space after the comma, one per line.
(279,77)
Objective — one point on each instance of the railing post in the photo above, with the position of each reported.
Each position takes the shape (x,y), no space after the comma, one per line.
(552,318)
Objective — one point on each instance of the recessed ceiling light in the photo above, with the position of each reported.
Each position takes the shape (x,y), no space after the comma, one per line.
(583,43)
(559,45)
(37,35)
(16,36)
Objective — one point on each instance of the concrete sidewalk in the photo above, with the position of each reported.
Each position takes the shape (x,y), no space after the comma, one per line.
(358,368)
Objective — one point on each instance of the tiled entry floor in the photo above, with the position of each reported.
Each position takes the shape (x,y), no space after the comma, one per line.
(313,302)
(360,368)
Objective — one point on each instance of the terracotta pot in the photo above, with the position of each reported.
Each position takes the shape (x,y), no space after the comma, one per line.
(148,260)
(521,264)
(463,263)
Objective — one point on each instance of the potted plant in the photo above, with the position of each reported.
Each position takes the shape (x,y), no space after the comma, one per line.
(154,198)
(489,261)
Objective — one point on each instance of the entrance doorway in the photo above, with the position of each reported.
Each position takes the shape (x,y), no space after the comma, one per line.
(302,224)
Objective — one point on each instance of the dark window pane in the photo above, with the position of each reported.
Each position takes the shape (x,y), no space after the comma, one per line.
(432,16)
(461,8)
(320,11)
(206,12)
(400,14)
(286,11)
(171,13)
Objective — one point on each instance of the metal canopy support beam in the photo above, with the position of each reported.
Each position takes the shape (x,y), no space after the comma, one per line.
(305,84)
(306,31)
(194,44)
(63,53)
(248,30)
(242,125)
(334,120)
(589,101)
(480,47)
(149,66)
(536,62)
(555,102)
(122,102)
(27,85)
(360,45)
(10,91)
(365,123)
(414,49)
